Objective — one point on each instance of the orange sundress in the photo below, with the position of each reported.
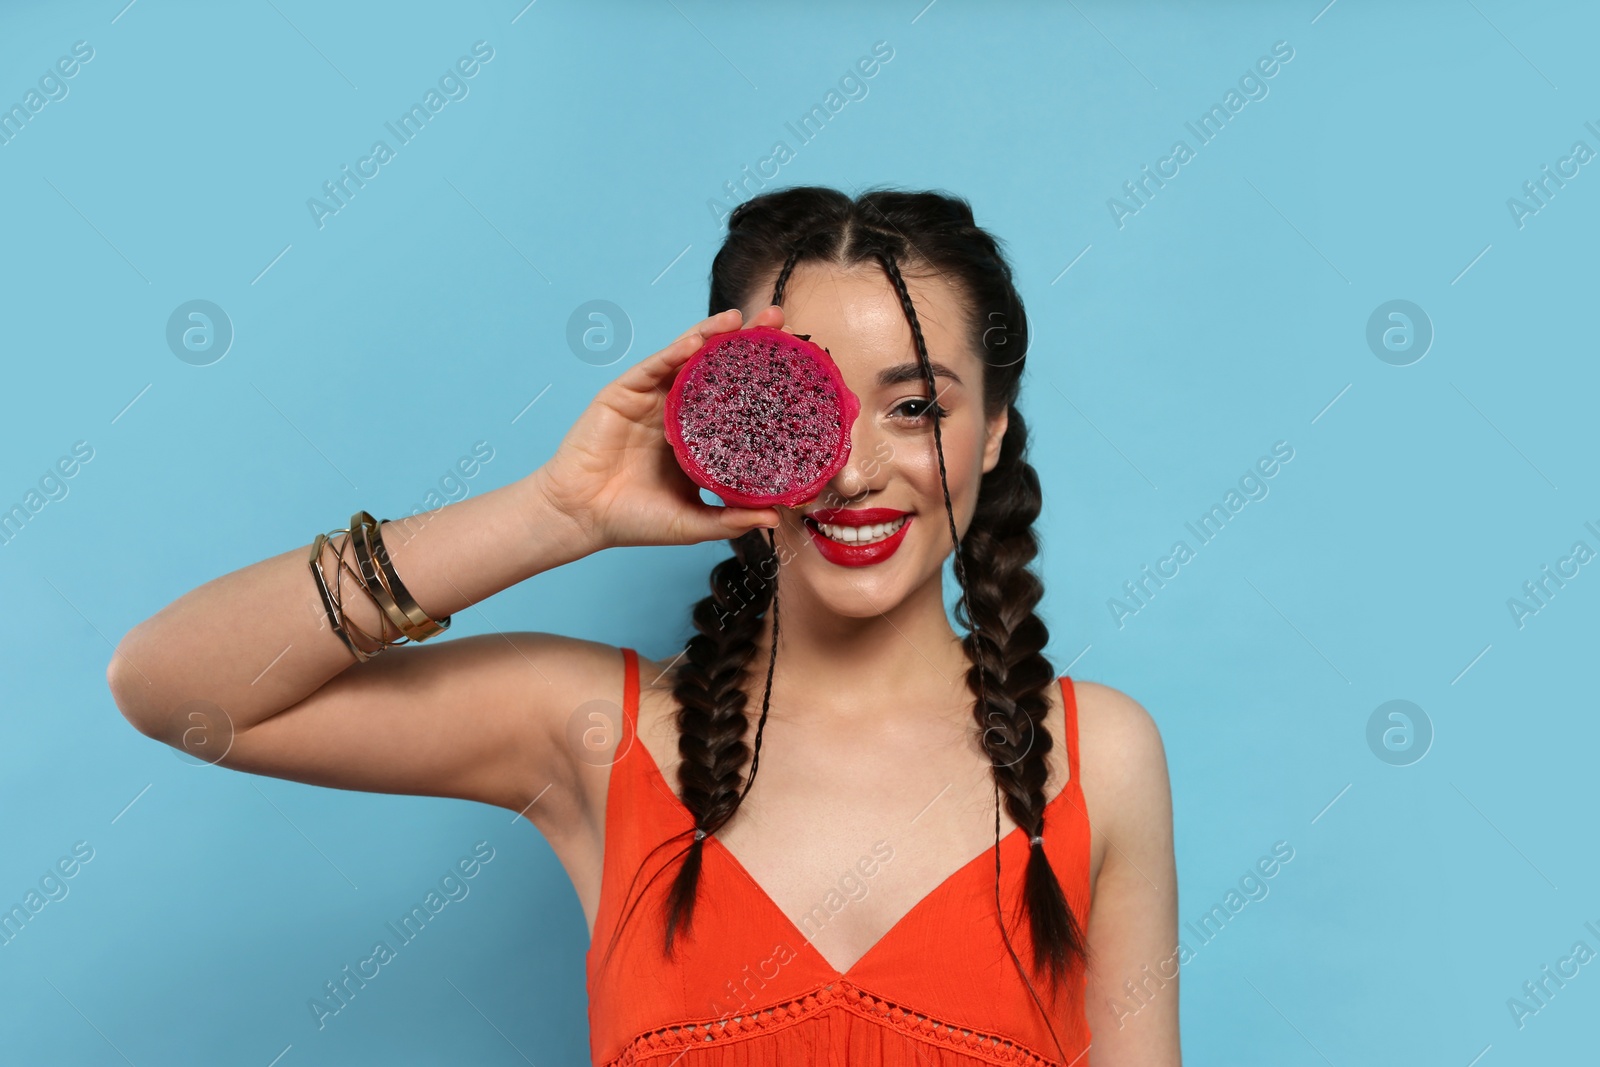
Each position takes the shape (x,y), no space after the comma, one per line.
(745,986)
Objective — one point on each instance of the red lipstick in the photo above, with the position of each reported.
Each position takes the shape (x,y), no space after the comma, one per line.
(846,554)
(855,516)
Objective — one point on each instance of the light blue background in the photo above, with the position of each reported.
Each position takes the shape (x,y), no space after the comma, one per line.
(1228,314)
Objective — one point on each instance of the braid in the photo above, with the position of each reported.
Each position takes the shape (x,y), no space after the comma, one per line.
(783,275)
(711,709)
(711,719)
(1005,642)
(709,688)
(1009,672)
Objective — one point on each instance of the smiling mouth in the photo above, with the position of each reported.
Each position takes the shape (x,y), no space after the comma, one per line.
(857,535)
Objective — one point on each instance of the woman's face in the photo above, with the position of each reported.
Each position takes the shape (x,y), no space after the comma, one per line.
(878,532)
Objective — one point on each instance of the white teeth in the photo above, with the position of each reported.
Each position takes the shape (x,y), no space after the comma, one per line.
(858,535)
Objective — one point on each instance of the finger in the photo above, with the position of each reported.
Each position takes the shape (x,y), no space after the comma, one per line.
(710,523)
(772,315)
(743,520)
(718,323)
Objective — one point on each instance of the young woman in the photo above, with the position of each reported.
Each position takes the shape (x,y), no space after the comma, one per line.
(950,855)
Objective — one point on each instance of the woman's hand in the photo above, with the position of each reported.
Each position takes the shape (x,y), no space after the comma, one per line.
(614,474)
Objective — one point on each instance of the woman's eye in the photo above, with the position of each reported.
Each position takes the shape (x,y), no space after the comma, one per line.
(919,407)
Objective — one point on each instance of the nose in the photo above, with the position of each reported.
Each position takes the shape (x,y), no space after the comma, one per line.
(848,484)
(863,473)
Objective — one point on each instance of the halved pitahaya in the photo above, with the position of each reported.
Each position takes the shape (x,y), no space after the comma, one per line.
(761,418)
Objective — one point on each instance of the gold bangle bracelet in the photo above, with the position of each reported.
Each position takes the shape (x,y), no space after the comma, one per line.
(412,623)
(360,526)
(330,603)
(378,641)
(421,626)
(374,574)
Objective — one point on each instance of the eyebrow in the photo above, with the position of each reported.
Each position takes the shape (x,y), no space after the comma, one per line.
(912,372)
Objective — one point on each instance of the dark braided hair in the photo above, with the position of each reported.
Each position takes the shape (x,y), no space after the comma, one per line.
(1010,676)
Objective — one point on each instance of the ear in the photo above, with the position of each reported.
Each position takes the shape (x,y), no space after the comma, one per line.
(995,431)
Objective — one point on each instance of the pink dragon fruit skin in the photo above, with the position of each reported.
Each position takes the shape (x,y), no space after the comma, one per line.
(760,417)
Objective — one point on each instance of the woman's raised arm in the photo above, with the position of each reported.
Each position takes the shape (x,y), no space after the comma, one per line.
(246,672)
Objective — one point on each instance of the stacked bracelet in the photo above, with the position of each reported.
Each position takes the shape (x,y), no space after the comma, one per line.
(403,611)
(375,575)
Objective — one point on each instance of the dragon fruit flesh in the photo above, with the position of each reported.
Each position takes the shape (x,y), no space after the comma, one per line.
(760,417)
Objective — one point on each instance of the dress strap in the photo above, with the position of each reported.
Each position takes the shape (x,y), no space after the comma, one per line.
(640,769)
(1069,707)
(630,691)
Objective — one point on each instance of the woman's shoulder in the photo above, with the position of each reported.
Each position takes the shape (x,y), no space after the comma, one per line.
(563,672)
(1107,709)
(1121,753)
